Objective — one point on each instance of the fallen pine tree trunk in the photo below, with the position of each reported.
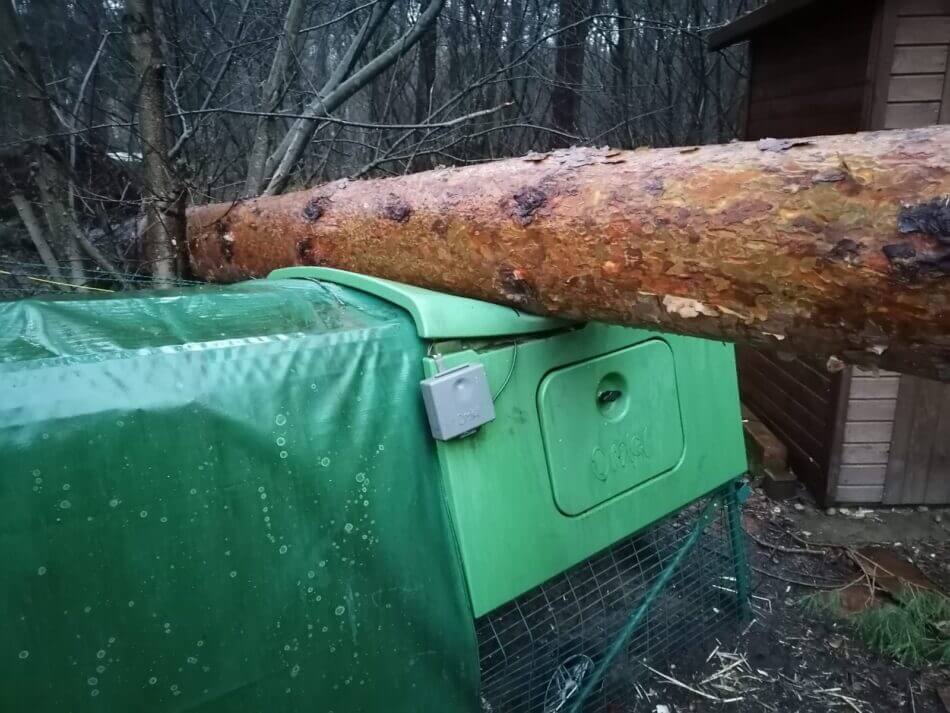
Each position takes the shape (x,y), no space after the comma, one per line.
(831,245)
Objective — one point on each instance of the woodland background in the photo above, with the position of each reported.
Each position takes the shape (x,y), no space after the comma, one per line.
(118,114)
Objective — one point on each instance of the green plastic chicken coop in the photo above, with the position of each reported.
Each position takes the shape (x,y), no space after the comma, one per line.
(329,492)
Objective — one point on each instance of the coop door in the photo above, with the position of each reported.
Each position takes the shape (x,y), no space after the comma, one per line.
(609,424)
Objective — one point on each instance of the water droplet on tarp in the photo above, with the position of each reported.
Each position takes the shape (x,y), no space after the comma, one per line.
(339,610)
(280,419)
(41,571)
(24,654)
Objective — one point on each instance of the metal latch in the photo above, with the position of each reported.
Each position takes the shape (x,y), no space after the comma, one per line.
(457,401)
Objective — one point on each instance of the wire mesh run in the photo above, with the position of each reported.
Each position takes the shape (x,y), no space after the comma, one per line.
(536,651)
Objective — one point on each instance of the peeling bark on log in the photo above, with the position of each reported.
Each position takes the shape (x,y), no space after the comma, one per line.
(831,245)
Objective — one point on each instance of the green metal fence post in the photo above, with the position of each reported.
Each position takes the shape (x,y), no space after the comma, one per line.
(735,496)
(635,618)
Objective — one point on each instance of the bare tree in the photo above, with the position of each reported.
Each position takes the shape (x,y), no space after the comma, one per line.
(342,85)
(569,66)
(164,230)
(274,89)
(125,109)
(37,121)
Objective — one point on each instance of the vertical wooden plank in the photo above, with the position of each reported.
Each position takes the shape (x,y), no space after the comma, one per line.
(886,22)
(840,396)
(923,439)
(945,100)
(900,442)
(938,477)
(920,418)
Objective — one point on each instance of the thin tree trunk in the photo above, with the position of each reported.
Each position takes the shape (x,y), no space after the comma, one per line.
(58,215)
(163,201)
(302,131)
(569,64)
(25,210)
(834,245)
(272,96)
(425,80)
(18,57)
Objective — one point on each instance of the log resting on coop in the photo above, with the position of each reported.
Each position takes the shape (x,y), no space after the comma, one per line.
(834,245)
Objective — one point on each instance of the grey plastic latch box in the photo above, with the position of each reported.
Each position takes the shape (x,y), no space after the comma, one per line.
(457,401)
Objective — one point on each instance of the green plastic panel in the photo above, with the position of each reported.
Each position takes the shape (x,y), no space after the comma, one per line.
(436,315)
(511,533)
(226,501)
(610,423)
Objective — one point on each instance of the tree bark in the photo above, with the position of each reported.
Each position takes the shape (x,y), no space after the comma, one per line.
(569,63)
(831,245)
(164,218)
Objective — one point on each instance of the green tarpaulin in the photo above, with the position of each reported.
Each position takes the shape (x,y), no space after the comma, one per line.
(224,500)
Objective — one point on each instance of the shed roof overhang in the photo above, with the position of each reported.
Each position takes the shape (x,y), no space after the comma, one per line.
(745,25)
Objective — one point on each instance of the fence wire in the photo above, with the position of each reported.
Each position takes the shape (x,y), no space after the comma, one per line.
(537,652)
(24,278)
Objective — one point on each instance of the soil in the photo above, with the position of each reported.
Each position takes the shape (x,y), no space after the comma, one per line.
(796,658)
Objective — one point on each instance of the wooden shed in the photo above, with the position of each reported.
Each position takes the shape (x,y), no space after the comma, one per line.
(840,66)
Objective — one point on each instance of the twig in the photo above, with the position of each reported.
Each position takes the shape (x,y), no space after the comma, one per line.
(816,585)
(849,701)
(722,672)
(343,122)
(683,685)
(830,545)
(781,548)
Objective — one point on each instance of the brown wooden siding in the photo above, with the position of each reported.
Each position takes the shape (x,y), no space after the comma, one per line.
(917,74)
(918,470)
(796,400)
(809,72)
(866,437)
(838,67)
